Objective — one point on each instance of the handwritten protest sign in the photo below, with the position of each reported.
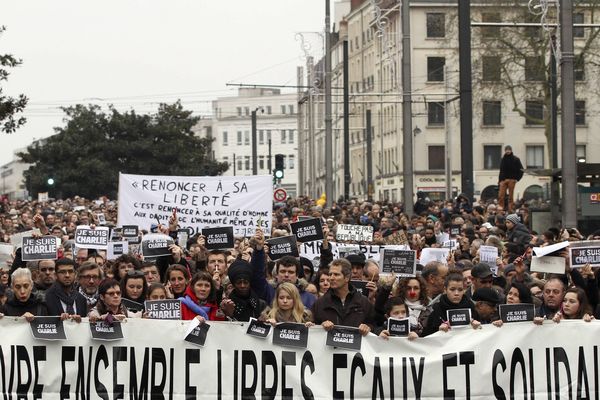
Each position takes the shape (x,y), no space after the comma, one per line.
(355,233)
(201,202)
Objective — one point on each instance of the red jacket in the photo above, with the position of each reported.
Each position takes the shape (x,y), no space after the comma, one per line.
(188,313)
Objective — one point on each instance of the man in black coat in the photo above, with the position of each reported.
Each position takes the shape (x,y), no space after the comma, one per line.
(511,171)
(63,299)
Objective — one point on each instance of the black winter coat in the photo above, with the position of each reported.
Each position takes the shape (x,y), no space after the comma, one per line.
(438,314)
(510,168)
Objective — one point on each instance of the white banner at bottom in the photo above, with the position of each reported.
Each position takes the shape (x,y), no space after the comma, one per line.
(519,360)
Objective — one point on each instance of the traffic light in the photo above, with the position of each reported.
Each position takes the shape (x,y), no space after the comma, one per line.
(278,171)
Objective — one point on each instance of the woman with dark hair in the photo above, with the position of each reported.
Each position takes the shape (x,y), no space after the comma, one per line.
(518,293)
(322,282)
(575,306)
(109,306)
(134,289)
(124,264)
(414,292)
(200,300)
(177,278)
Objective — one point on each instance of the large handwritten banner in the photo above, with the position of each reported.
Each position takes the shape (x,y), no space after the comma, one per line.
(519,360)
(202,202)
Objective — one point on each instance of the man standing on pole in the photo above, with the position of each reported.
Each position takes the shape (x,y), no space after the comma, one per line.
(511,171)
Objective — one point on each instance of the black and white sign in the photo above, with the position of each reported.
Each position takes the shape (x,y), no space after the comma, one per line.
(307,230)
(132,305)
(44,248)
(459,318)
(517,312)
(282,246)
(258,329)
(88,238)
(197,332)
(219,238)
(360,286)
(131,233)
(585,252)
(163,309)
(156,244)
(488,256)
(103,331)
(290,334)
(398,327)
(117,249)
(398,262)
(182,238)
(344,337)
(354,233)
(101,219)
(48,328)
(455,230)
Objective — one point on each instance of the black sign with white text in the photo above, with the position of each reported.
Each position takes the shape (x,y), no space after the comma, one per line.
(43,248)
(455,230)
(398,262)
(459,317)
(282,246)
(103,331)
(398,327)
(198,335)
(156,244)
(290,334)
(258,328)
(307,230)
(163,309)
(88,238)
(219,238)
(360,286)
(517,312)
(132,305)
(48,328)
(344,337)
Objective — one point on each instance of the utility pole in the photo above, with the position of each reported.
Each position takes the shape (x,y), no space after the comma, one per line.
(554,185)
(407,131)
(254,144)
(448,163)
(569,162)
(346,122)
(369,156)
(300,135)
(466,97)
(328,121)
(234,165)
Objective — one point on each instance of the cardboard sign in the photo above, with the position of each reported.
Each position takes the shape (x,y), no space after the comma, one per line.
(282,246)
(344,337)
(48,328)
(434,254)
(585,252)
(156,245)
(88,238)
(163,309)
(290,334)
(360,286)
(398,262)
(398,327)
(116,249)
(459,318)
(517,312)
(103,331)
(354,233)
(548,264)
(308,230)
(197,332)
(219,238)
(44,248)
(132,305)
(258,329)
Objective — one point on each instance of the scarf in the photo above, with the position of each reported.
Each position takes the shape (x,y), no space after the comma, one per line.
(90,299)
(244,307)
(203,311)
(414,311)
(67,298)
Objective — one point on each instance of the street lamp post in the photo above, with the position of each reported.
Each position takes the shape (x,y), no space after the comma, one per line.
(254,143)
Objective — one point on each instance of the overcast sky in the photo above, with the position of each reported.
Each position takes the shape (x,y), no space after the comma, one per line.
(138,53)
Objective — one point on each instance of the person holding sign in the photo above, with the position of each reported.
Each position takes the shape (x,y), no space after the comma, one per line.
(453,298)
(22,303)
(552,298)
(574,306)
(109,306)
(63,298)
(395,308)
(200,300)
(243,303)
(343,304)
(287,307)
(134,287)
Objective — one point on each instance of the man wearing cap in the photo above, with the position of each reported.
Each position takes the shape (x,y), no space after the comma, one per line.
(357,261)
(481,277)
(511,171)
(486,303)
(516,232)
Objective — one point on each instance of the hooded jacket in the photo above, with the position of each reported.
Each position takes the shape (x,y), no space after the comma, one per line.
(510,168)
(519,234)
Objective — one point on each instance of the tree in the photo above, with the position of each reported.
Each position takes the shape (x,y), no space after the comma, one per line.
(10,106)
(85,157)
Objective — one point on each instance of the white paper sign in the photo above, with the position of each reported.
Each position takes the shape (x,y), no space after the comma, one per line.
(488,256)
(115,249)
(201,201)
(355,233)
(434,254)
(547,264)
(542,251)
(6,250)
(17,238)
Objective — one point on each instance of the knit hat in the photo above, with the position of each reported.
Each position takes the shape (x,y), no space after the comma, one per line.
(433,218)
(514,218)
(239,269)
(508,147)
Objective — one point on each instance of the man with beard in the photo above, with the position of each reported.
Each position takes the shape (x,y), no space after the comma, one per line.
(430,238)
(89,276)
(63,298)
(242,303)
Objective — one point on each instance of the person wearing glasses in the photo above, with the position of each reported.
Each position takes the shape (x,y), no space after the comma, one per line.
(63,298)
(110,304)
(89,276)
(45,277)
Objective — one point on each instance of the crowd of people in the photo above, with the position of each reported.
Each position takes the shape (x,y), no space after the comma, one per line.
(240,283)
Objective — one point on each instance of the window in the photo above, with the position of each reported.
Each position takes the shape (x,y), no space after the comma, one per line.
(492,113)
(269,111)
(435,69)
(291,160)
(491,68)
(283,109)
(578,31)
(247,110)
(532,31)
(437,157)
(535,156)
(225,140)
(247,163)
(246,138)
(226,160)
(268,135)
(436,25)
(435,113)
(535,112)
(283,136)
(291,136)
(492,154)
(239,138)
(261,136)
(239,164)
(261,162)
(580,152)
(290,109)
(239,111)
(579,67)
(534,69)
(579,112)
(490,31)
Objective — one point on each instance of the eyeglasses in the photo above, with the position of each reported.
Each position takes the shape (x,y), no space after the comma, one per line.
(134,272)
(89,277)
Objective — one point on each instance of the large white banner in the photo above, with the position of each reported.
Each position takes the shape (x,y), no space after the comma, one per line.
(202,202)
(519,360)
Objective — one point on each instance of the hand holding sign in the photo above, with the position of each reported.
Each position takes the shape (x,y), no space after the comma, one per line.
(173,220)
